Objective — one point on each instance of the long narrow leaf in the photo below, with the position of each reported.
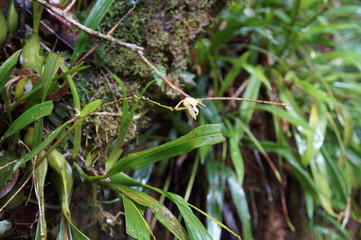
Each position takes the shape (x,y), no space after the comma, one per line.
(201,136)
(28,117)
(51,67)
(95,16)
(161,212)
(7,68)
(194,226)
(136,226)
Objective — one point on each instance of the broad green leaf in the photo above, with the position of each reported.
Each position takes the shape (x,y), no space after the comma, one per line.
(158,79)
(161,212)
(201,136)
(90,107)
(94,18)
(51,67)
(38,111)
(7,68)
(136,226)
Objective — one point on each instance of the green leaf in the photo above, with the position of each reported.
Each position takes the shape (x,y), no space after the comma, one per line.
(201,136)
(70,71)
(240,200)
(215,198)
(32,114)
(7,68)
(127,117)
(234,148)
(10,170)
(247,108)
(291,118)
(314,138)
(90,107)
(136,226)
(320,176)
(301,174)
(78,129)
(161,212)
(62,232)
(40,174)
(233,72)
(194,226)
(257,72)
(76,233)
(51,67)
(7,161)
(94,18)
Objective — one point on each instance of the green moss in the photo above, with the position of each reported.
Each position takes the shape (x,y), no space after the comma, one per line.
(102,129)
(166,29)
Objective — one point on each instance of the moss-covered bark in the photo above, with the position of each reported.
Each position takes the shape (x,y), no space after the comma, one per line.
(166,29)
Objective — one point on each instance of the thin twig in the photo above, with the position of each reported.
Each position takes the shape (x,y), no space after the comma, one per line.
(108,33)
(107,114)
(12,197)
(164,78)
(90,31)
(69,6)
(8,164)
(241,99)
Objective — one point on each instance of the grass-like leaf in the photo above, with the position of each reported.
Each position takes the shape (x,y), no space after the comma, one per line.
(7,68)
(161,212)
(201,136)
(90,107)
(136,226)
(34,113)
(51,67)
(95,16)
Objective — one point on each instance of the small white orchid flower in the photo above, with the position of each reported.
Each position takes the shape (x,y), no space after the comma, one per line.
(191,105)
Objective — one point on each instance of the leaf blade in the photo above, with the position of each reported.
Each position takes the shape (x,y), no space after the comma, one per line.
(201,136)
(32,114)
